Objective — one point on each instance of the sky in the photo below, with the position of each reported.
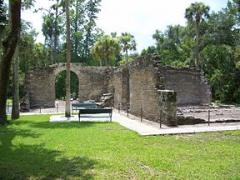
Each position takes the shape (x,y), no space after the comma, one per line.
(141,18)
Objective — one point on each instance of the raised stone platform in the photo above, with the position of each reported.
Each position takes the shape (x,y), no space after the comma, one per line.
(84,118)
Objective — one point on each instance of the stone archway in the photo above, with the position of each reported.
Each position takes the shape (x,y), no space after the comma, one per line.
(74,68)
(60,85)
(93,82)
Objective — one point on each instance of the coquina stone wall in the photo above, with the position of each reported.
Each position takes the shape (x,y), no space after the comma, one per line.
(40,88)
(147,77)
(143,86)
(191,87)
(143,82)
(93,82)
(120,82)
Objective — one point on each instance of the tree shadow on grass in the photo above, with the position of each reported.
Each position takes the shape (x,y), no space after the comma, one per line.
(58,125)
(25,161)
(35,161)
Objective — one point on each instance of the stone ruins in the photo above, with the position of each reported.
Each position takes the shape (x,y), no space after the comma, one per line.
(142,87)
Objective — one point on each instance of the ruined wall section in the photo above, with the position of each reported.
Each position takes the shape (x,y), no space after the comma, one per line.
(144,84)
(40,86)
(93,82)
(147,77)
(120,82)
(190,85)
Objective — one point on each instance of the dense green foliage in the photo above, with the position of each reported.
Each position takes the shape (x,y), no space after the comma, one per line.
(127,43)
(3,17)
(60,85)
(83,26)
(3,22)
(114,49)
(106,50)
(33,148)
(210,42)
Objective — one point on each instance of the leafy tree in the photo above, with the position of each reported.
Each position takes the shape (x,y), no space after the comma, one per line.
(219,68)
(127,43)
(83,14)
(47,30)
(57,28)
(52,29)
(172,46)
(15,79)
(78,20)
(32,55)
(3,22)
(196,14)
(221,56)
(3,18)
(106,50)
(215,38)
(9,46)
(92,9)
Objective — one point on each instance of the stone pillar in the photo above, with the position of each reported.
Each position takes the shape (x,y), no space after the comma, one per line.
(168,107)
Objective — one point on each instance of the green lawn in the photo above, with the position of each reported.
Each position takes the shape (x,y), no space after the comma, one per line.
(33,148)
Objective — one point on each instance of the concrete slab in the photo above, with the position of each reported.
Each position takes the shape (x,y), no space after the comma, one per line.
(149,128)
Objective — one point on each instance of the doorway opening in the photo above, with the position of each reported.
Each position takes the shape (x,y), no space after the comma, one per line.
(60,86)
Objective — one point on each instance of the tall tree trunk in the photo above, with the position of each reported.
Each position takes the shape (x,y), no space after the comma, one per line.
(55,35)
(15,89)
(52,51)
(9,46)
(15,104)
(126,56)
(197,49)
(55,59)
(68,59)
(76,39)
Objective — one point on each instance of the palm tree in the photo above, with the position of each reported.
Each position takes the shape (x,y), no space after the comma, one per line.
(68,59)
(127,43)
(106,50)
(196,14)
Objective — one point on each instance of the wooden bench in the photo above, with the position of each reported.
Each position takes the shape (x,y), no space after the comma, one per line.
(95,111)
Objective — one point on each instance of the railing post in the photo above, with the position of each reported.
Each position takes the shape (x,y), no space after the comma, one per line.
(160,118)
(141,114)
(118,107)
(57,107)
(209,117)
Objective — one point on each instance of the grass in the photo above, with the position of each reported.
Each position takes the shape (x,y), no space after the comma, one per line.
(9,102)
(33,148)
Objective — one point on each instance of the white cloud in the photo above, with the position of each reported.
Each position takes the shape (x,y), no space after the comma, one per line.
(142,17)
(139,17)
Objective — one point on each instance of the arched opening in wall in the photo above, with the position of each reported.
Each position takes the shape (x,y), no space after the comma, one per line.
(60,85)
